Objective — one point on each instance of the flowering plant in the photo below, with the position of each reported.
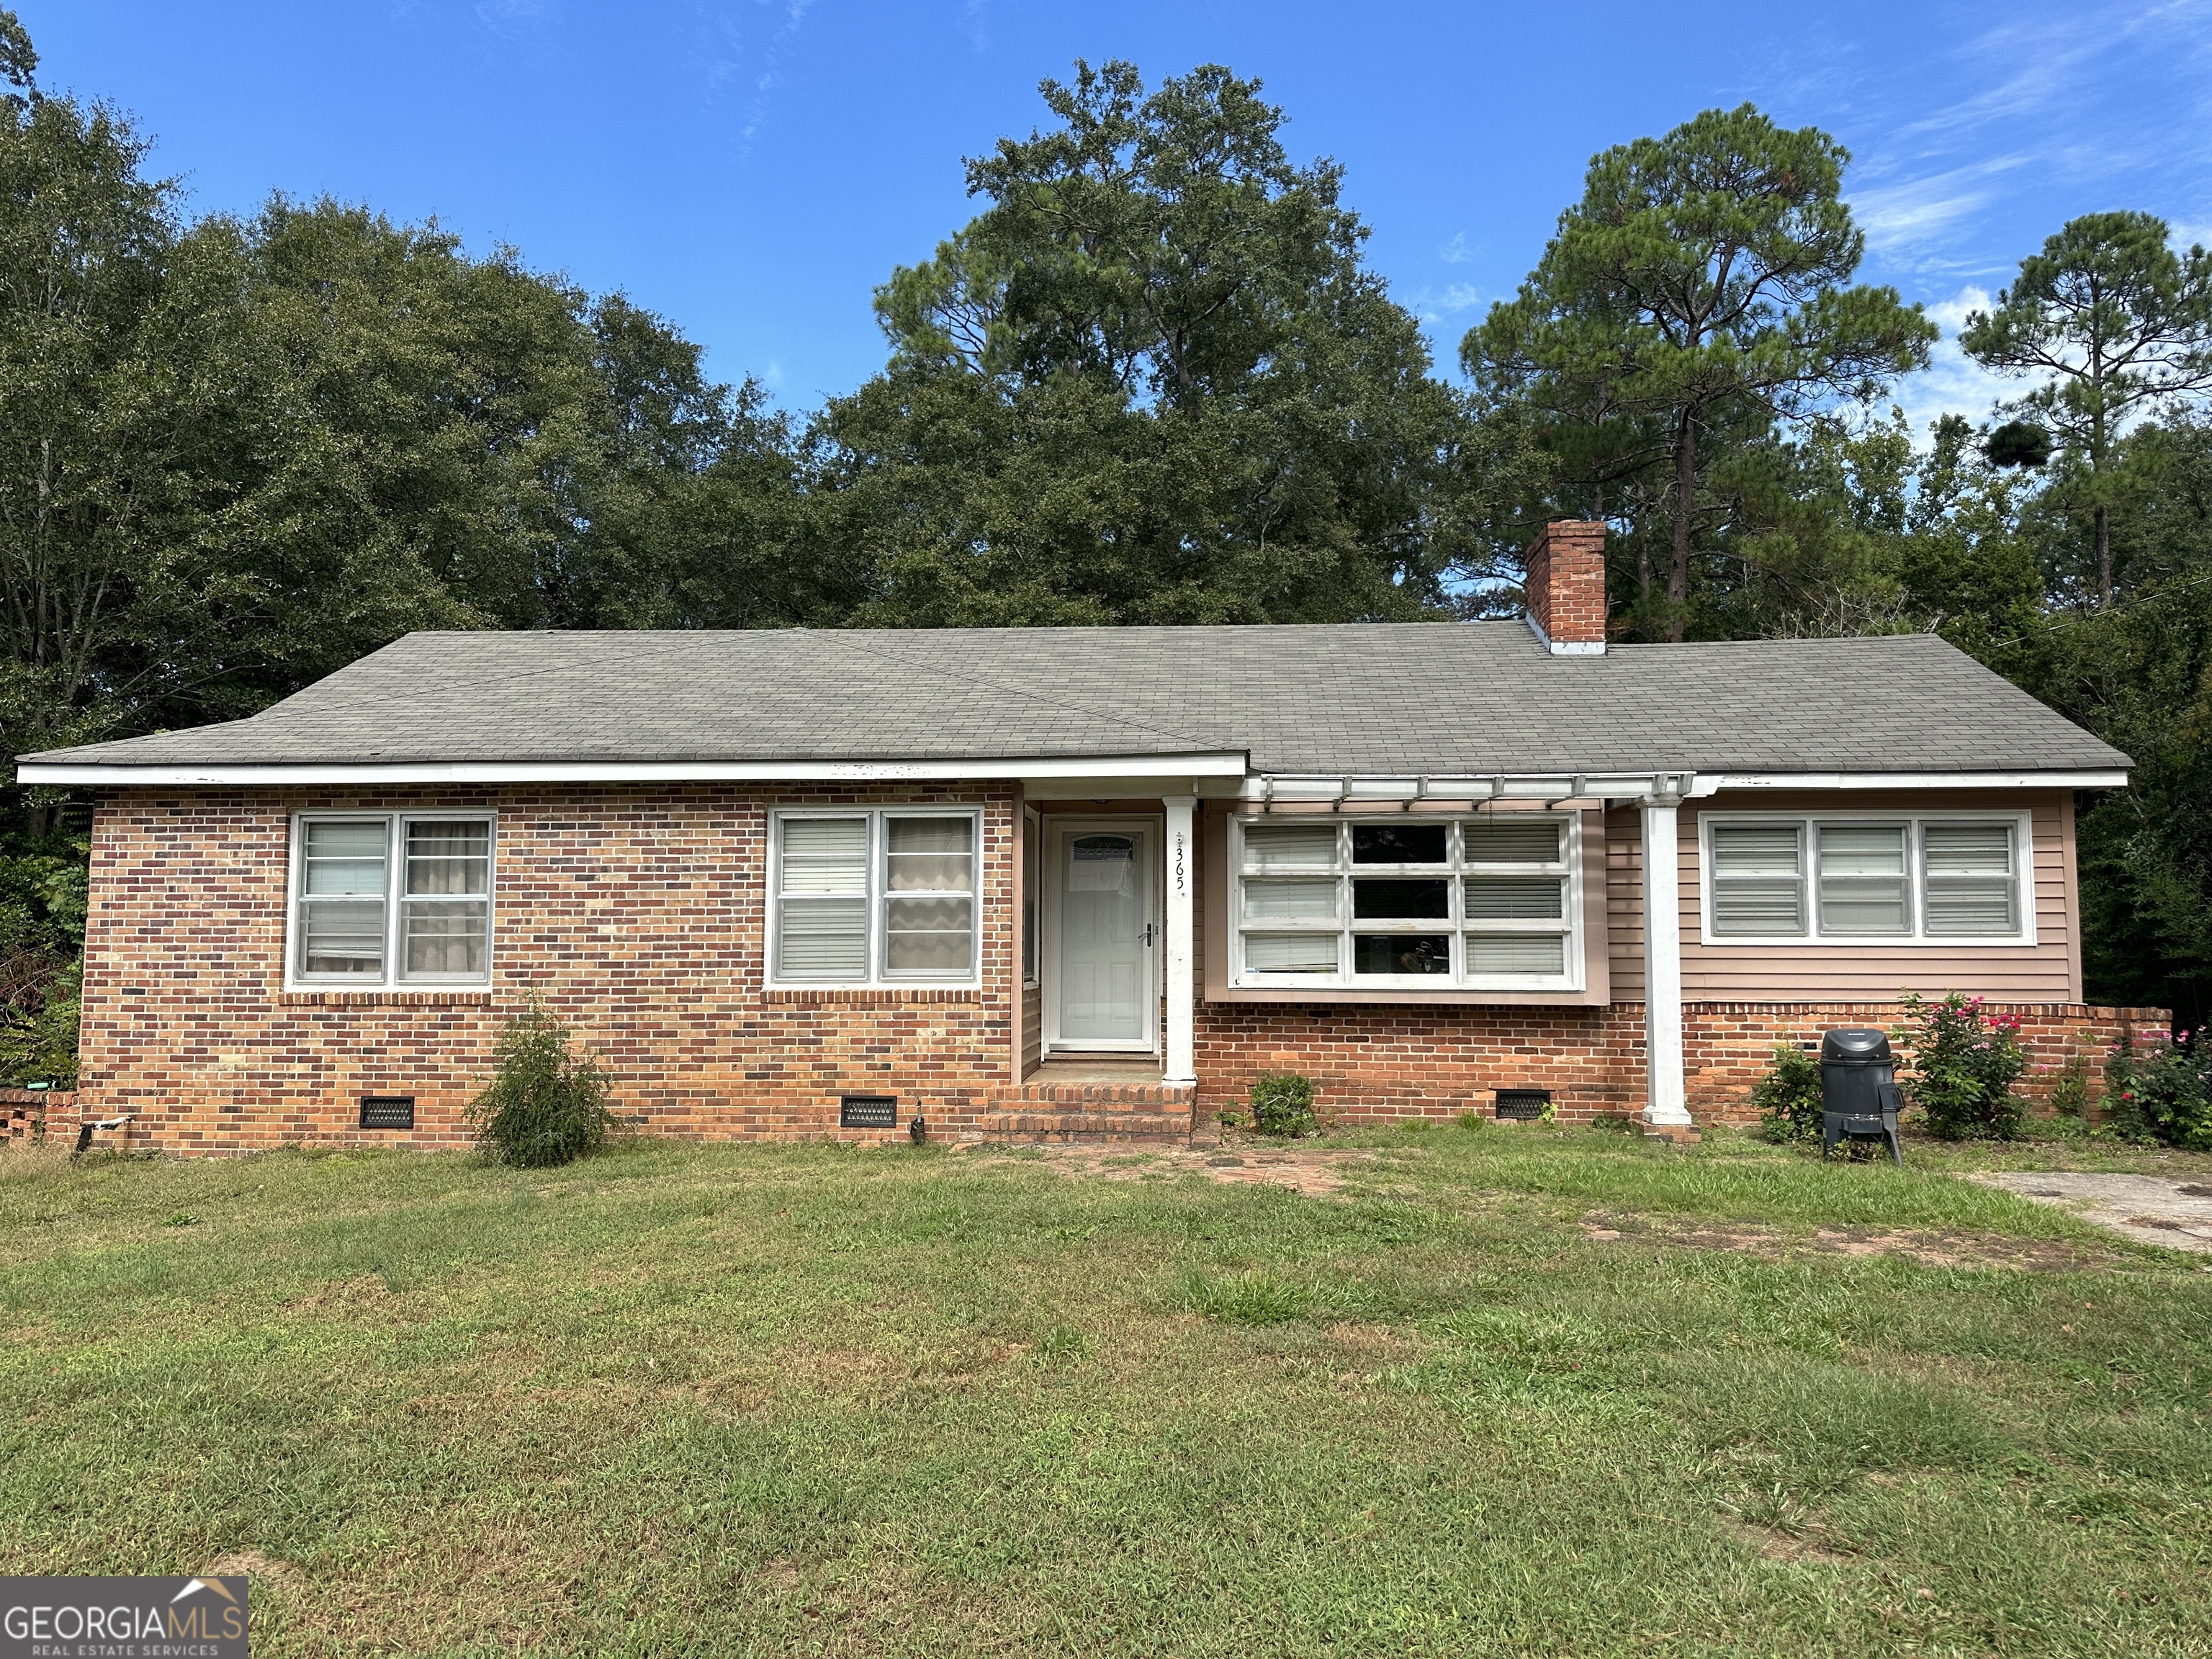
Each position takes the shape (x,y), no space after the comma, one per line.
(1967,1059)
(2159,1088)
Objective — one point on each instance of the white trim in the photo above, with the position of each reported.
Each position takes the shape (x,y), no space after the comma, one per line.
(1181,847)
(1215,764)
(1665,1101)
(878,977)
(395,875)
(1570,930)
(1030,920)
(1916,874)
(1058,828)
(1712,782)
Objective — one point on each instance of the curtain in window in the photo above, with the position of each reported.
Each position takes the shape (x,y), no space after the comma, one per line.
(446,901)
(929,911)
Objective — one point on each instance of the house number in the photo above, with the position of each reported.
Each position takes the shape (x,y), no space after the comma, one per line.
(1178,864)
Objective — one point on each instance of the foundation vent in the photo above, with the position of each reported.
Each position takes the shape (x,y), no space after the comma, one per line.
(867,1111)
(1521,1105)
(387,1111)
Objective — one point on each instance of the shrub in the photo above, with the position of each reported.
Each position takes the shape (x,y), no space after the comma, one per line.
(1282,1104)
(1789,1096)
(2159,1088)
(2070,1089)
(544,1106)
(1966,1060)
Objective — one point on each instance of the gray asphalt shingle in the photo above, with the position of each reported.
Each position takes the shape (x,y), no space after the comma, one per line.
(1383,698)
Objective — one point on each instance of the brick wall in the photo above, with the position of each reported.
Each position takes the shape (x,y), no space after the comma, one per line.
(1565,582)
(635,912)
(25,1114)
(1370,1063)
(638,913)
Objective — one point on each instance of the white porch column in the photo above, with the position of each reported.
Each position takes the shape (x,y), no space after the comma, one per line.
(1181,872)
(1662,960)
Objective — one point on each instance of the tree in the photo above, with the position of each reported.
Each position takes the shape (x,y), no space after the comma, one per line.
(2118,322)
(1150,382)
(1696,292)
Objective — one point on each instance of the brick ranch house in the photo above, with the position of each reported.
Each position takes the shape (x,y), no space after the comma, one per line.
(1080,881)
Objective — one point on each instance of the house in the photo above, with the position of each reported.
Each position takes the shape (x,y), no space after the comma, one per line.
(1078,881)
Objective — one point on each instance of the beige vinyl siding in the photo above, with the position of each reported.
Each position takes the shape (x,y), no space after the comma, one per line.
(1821,970)
(1624,901)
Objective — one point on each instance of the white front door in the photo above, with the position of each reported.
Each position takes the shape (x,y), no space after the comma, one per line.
(1102,989)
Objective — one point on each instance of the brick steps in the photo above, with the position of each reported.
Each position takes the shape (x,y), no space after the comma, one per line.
(1136,1112)
(1118,1128)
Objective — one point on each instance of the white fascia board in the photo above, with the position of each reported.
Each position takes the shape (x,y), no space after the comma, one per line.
(1210,765)
(1712,783)
(1562,786)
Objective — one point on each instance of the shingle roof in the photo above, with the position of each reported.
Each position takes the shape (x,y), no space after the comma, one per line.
(1378,699)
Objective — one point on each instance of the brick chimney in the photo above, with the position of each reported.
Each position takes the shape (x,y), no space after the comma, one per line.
(1565,588)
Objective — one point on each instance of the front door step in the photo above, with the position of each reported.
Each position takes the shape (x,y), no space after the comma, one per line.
(1135,1110)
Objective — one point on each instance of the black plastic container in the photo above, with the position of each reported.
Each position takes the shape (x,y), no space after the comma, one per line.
(1859,1096)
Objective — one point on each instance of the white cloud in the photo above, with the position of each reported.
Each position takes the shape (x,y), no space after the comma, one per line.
(1955,384)
(1432,306)
(1916,215)
(1456,252)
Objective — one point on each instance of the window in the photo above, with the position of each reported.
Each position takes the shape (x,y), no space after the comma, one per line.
(385,899)
(1866,877)
(1032,889)
(1487,902)
(873,897)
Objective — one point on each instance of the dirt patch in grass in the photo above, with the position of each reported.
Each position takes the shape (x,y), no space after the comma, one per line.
(1930,1249)
(262,1573)
(1772,1544)
(1313,1172)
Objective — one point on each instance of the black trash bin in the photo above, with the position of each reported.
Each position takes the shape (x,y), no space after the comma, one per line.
(1859,1096)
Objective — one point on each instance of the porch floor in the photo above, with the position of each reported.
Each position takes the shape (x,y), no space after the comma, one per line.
(1094,1068)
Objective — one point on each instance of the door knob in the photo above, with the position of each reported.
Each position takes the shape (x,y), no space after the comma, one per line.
(1148,935)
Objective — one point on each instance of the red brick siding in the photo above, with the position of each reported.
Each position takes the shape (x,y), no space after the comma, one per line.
(1379,1062)
(636,912)
(1565,584)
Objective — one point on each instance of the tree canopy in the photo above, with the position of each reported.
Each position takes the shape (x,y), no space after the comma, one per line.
(1152,381)
(1695,294)
(2113,319)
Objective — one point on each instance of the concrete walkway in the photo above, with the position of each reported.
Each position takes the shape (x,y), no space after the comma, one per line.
(2169,1210)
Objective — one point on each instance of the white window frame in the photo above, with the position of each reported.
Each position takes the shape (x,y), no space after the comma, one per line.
(878,977)
(1570,927)
(395,873)
(1914,823)
(1031,920)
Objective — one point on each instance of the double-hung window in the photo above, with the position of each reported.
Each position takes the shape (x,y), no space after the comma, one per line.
(1488,903)
(873,897)
(391,899)
(1866,878)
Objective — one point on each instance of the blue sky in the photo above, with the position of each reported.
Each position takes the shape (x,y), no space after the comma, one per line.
(753,168)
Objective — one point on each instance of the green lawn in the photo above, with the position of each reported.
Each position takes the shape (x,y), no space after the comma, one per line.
(798,1400)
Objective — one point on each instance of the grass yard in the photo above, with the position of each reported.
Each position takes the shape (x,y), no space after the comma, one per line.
(1500,1391)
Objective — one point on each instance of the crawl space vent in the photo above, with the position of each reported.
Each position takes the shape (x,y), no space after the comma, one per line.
(1522,1104)
(387,1111)
(867,1111)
